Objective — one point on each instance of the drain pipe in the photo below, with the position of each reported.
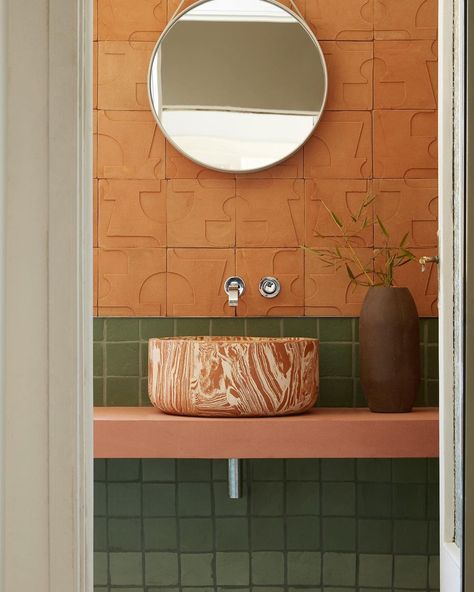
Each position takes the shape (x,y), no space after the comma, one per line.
(234,478)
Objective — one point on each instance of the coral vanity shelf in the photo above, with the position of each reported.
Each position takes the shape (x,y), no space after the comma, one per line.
(145,432)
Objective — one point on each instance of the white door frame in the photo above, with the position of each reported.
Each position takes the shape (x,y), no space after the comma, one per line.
(46,303)
(46,295)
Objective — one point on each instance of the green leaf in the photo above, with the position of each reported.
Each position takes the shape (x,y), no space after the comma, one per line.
(408,254)
(349,272)
(335,218)
(404,240)
(382,227)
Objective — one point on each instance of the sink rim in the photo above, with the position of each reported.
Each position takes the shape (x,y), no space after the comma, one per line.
(235,339)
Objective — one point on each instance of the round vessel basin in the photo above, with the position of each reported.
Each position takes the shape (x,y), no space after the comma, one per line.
(233,376)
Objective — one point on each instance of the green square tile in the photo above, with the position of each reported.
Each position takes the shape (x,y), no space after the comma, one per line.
(123,469)
(268,589)
(144,399)
(433,537)
(432,361)
(100,499)
(99,469)
(268,567)
(219,470)
(267,534)
(100,534)
(192,327)
(123,359)
(159,469)
(374,469)
(98,392)
(192,589)
(338,469)
(375,570)
(98,329)
(122,329)
(161,569)
(125,534)
(374,536)
(374,500)
(232,569)
(228,327)
(433,501)
(194,499)
(339,569)
(264,327)
(432,393)
(196,569)
(410,537)
(409,500)
(304,327)
(143,360)
(302,469)
(122,391)
(303,533)
(336,392)
(232,534)
(338,499)
(409,470)
(159,534)
(335,329)
(302,497)
(159,499)
(433,573)
(124,499)
(98,359)
(411,571)
(193,469)
(101,568)
(225,506)
(196,534)
(304,568)
(433,330)
(335,360)
(101,589)
(339,534)
(271,469)
(150,328)
(126,569)
(266,498)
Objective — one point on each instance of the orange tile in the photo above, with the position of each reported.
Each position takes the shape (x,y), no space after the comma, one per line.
(287,265)
(409,205)
(94,20)
(196,282)
(132,213)
(132,282)
(405,144)
(341,19)
(405,19)
(172,7)
(301,5)
(123,74)
(350,67)
(179,166)
(344,198)
(95,73)
(123,20)
(201,213)
(270,212)
(95,279)
(329,290)
(95,149)
(405,74)
(422,285)
(341,147)
(95,212)
(130,146)
(291,168)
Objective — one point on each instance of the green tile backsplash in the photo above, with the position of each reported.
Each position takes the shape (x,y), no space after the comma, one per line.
(306,525)
(120,354)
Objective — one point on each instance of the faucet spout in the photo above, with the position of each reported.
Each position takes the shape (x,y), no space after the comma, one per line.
(234,287)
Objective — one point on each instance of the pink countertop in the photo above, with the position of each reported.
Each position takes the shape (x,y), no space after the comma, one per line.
(145,432)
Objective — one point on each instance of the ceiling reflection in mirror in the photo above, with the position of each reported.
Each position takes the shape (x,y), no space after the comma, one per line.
(237,85)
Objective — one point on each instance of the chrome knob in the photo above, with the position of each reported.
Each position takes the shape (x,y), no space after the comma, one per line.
(269,287)
(234,287)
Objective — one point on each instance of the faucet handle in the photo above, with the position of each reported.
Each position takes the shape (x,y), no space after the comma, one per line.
(234,287)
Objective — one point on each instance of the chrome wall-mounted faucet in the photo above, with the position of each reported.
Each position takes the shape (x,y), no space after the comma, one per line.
(234,287)
(269,287)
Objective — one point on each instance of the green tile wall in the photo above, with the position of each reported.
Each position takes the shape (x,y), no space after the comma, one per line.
(303,525)
(120,354)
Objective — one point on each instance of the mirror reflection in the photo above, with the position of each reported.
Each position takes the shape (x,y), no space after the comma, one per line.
(237,85)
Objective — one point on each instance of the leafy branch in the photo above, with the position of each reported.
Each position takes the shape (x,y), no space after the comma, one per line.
(379,269)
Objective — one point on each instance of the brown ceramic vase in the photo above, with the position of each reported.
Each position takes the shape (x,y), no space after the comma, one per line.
(389,350)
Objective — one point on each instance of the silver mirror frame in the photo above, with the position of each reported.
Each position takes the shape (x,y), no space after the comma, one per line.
(167,29)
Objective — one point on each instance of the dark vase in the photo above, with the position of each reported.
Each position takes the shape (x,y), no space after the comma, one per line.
(389,334)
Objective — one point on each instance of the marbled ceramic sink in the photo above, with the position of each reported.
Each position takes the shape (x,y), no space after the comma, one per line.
(233,376)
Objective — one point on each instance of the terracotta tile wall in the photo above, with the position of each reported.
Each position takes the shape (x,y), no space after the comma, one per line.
(167,233)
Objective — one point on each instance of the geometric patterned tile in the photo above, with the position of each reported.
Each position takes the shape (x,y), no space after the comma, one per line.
(341,19)
(405,19)
(122,20)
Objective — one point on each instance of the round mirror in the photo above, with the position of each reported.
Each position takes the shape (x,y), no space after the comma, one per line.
(237,85)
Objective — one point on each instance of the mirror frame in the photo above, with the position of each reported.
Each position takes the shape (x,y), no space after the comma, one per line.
(167,29)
